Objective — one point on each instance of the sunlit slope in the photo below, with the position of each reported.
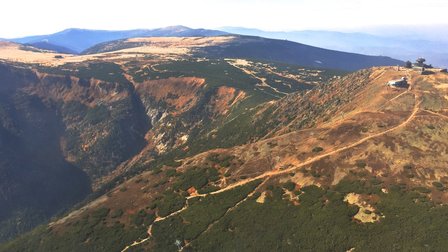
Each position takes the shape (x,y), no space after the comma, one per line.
(373,165)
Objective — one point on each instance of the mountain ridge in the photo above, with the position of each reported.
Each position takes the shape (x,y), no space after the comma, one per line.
(78,39)
(401,46)
(259,48)
(185,139)
(327,174)
(398,45)
(117,116)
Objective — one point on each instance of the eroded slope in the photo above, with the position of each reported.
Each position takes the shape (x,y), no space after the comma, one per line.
(371,165)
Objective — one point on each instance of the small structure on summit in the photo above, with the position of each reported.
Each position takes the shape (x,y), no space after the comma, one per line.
(401,83)
(420,65)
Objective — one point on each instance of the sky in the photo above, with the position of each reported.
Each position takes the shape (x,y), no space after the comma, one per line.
(31,17)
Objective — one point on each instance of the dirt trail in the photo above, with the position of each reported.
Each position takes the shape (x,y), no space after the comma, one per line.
(158,219)
(400,94)
(262,83)
(269,174)
(317,158)
(135,243)
(436,114)
(394,98)
(229,210)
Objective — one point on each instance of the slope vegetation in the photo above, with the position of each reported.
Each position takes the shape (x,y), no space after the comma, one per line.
(255,48)
(78,40)
(111,115)
(367,166)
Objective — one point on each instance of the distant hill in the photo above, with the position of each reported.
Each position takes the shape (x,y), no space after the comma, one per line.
(296,53)
(394,44)
(196,144)
(48,46)
(258,48)
(89,119)
(77,40)
(331,168)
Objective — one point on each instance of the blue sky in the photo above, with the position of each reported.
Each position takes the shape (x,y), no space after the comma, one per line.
(29,17)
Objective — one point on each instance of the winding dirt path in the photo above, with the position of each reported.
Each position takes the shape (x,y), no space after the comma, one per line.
(228,210)
(262,81)
(149,232)
(269,174)
(317,158)
(158,219)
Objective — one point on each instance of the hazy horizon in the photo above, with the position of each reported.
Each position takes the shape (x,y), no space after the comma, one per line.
(427,31)
(28,18)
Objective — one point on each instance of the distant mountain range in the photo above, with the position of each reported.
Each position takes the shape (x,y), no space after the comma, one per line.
(404,46)
(295,53)
(258,48)
(81,41)
(198,143)
(77,40)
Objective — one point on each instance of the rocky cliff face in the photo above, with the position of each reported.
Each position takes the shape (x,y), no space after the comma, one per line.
(85,123)
(64,132)
(367,158)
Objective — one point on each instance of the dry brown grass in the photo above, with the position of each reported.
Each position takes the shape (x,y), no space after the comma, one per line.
(163,47)
(179,93)
(388,131)
(384,128)
(183,42)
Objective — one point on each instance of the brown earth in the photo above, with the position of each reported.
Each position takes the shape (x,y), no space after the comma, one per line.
(179,93)
(391,134)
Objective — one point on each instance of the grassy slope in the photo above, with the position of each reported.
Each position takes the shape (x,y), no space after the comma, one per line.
(323,222)
(82,120)
(407,211)
(257,48)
